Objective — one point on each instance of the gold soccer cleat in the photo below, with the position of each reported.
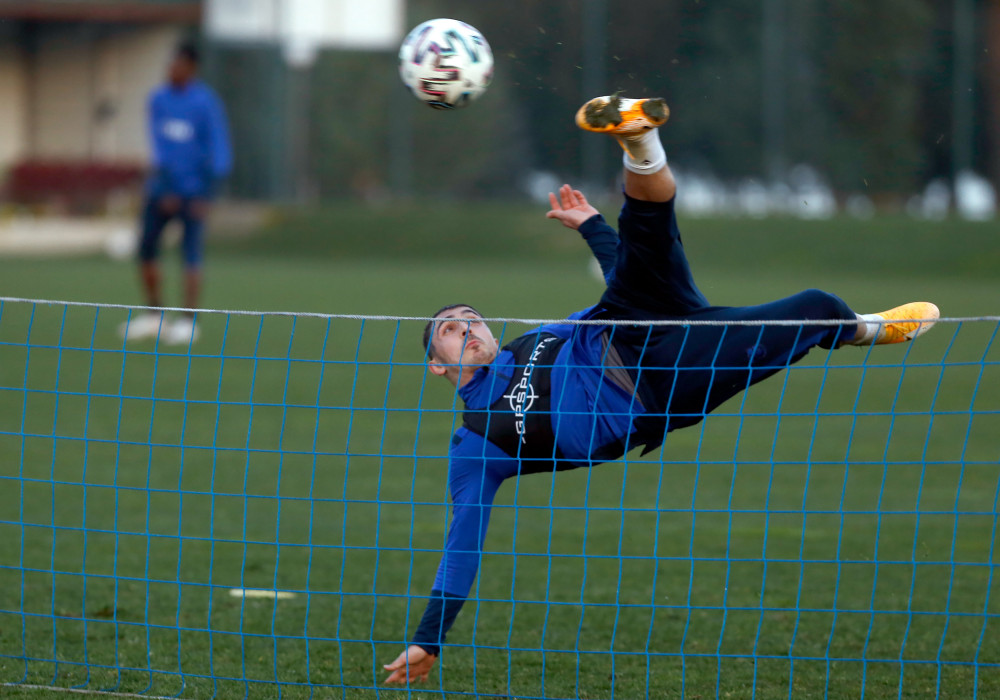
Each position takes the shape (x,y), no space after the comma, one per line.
(906,322)
(621,116)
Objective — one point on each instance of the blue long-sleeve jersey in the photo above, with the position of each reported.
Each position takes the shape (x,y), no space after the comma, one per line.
(190,140)
(681,374)
(588,412)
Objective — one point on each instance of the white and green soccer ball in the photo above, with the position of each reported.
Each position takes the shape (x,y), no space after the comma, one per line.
(446,63)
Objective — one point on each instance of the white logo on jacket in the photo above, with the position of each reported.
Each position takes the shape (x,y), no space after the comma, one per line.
(179,130)
(522,396)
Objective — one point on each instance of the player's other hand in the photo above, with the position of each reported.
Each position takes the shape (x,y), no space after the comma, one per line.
(170,204)
(570,207)
(418,668)
(198,209)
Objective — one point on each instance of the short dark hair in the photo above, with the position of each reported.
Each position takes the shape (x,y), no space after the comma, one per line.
(188,50)
(429,328)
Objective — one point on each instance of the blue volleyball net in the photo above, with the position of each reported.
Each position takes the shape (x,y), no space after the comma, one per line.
(262,513)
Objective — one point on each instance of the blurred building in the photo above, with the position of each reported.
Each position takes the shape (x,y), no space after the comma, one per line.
(74,75)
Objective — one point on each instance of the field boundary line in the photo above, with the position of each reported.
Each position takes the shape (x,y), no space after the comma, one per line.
(86,691)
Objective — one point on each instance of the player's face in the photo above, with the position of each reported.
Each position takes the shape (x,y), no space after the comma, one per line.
(181,70)
(461,340)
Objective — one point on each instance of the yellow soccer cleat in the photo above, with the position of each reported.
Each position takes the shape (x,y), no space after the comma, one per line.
(621,116)
(905,322)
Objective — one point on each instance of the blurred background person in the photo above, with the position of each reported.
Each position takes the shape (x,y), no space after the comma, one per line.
(191,152)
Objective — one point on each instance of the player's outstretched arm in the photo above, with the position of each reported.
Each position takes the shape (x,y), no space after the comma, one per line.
(570,207)
(575,212)
(414,664)
(475,471)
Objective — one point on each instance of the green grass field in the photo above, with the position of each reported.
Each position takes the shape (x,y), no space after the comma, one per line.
(830,534)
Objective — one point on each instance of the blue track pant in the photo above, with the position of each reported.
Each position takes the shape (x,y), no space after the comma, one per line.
(684,372)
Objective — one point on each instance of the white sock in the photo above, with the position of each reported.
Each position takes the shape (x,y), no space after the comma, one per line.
(872,329)
(644,153)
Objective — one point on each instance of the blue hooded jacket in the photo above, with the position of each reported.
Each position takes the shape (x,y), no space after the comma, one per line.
(588,412)
(190,140)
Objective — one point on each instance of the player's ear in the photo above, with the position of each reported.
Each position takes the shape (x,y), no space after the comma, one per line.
(436,367)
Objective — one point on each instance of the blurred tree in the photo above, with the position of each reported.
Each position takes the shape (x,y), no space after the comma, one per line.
(990,72)
(251,82)
(697,55)
(715,79)
(872,92)
(853,90)
(538,46)
(860,90)
(357,104)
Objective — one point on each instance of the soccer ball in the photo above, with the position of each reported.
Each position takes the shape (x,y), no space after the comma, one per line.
(446,63)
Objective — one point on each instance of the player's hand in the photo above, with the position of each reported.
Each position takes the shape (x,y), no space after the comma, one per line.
(570,207)
(419,667)
(169,204)
(198,209)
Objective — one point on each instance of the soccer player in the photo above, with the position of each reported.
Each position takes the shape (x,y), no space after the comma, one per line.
(191,153)
(566,396)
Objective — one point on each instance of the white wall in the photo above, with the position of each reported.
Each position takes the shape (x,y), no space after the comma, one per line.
(308,24)
(145,55)
(76,72)
(60,112)
(128,67)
